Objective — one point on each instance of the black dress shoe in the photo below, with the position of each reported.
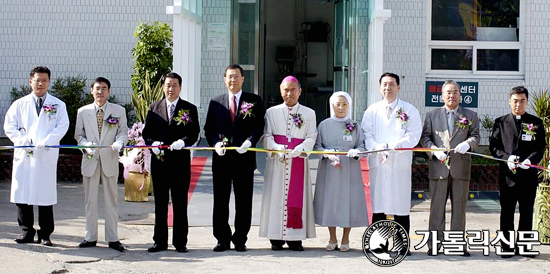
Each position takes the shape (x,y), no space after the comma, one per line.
(296,248)
(466,254)
(117,246)
(181,249)
(524,255)
(46,242)
(157,248)
(221,247)
(87,244)
(276,247)
(240,248)
(25,239)
(506,256)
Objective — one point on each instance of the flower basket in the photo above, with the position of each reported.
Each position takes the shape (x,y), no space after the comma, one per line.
(541,220)
(136,162)
(136,187)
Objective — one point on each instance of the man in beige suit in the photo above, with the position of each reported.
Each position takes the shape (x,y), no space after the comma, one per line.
(450,126)
(101,123)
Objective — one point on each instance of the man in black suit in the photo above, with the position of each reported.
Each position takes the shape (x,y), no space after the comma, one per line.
(235,118)
(519,138)
(171,121)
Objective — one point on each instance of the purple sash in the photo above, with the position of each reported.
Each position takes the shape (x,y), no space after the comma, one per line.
(296,188)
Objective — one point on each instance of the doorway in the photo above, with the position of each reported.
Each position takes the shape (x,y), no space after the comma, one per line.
(305,38)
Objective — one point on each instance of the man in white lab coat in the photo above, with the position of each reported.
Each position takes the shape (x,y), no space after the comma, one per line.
(37,120)
(391,124)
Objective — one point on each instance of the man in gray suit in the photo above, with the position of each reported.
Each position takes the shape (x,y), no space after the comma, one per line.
(450,126)
(101,123)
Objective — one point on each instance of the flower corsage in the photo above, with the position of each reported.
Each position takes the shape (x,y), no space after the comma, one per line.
(246,109)
(463,122)
(298,121)
(402,116)
(350,127)
(183,117)
(529,129)
(112,121)
(50,110)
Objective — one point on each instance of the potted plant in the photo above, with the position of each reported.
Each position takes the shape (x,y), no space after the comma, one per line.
(136,161)
(540,103)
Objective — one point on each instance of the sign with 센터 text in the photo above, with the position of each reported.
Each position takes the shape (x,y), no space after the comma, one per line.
(468,94)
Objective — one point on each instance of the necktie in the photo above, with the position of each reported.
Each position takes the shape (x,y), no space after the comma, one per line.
(99,121)
(38,105)
(451,121)
(233,108)
(171,112)
(388,111)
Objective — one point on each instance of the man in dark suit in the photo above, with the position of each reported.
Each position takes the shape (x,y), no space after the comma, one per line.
(237,117)
(519,138)
(450,126)
(171,121)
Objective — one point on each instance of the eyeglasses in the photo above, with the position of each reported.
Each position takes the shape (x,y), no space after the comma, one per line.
(233,77)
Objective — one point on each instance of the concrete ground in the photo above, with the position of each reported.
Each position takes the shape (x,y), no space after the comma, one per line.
(136,230)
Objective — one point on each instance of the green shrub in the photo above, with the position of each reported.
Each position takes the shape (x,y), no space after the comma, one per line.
(153,53)
(17,93)
(540,103)
(487,123)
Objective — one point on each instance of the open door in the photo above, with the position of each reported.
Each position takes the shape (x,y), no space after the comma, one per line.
(244,41)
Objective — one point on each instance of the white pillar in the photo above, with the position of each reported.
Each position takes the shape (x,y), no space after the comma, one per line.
(187,46)
(376,49)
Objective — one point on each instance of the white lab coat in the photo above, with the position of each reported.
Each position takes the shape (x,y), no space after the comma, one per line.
(391,180)
(34,178)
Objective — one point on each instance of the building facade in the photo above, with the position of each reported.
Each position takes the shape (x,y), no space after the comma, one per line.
(329,45)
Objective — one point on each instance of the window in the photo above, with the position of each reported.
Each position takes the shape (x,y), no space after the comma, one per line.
(474,37)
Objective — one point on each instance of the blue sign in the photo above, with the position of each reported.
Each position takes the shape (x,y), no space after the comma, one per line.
(468,94)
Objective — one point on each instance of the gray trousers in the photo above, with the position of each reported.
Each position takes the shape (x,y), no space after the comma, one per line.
(440,190)
(110,201)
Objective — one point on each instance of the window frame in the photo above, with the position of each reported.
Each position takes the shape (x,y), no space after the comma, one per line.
(474,46)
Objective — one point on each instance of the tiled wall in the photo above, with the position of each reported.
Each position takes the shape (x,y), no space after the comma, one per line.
(91,38)
(213,62)
(405,54)
(361,76)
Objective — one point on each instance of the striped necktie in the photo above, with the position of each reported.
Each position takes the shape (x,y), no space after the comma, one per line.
(99,121)
(171,113)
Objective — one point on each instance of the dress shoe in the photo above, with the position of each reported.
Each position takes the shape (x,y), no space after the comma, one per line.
(221,247)
(46,242)
(25,239)
(240,247)
(510,255)
(181,249)
(117,246)
(87,244)
(157,248)
(296,248)
(466,254)
(276,247)
(405,251)
(524,255)
(344,248)
(331,246)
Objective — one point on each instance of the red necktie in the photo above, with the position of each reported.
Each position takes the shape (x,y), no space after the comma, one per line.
(233,108)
